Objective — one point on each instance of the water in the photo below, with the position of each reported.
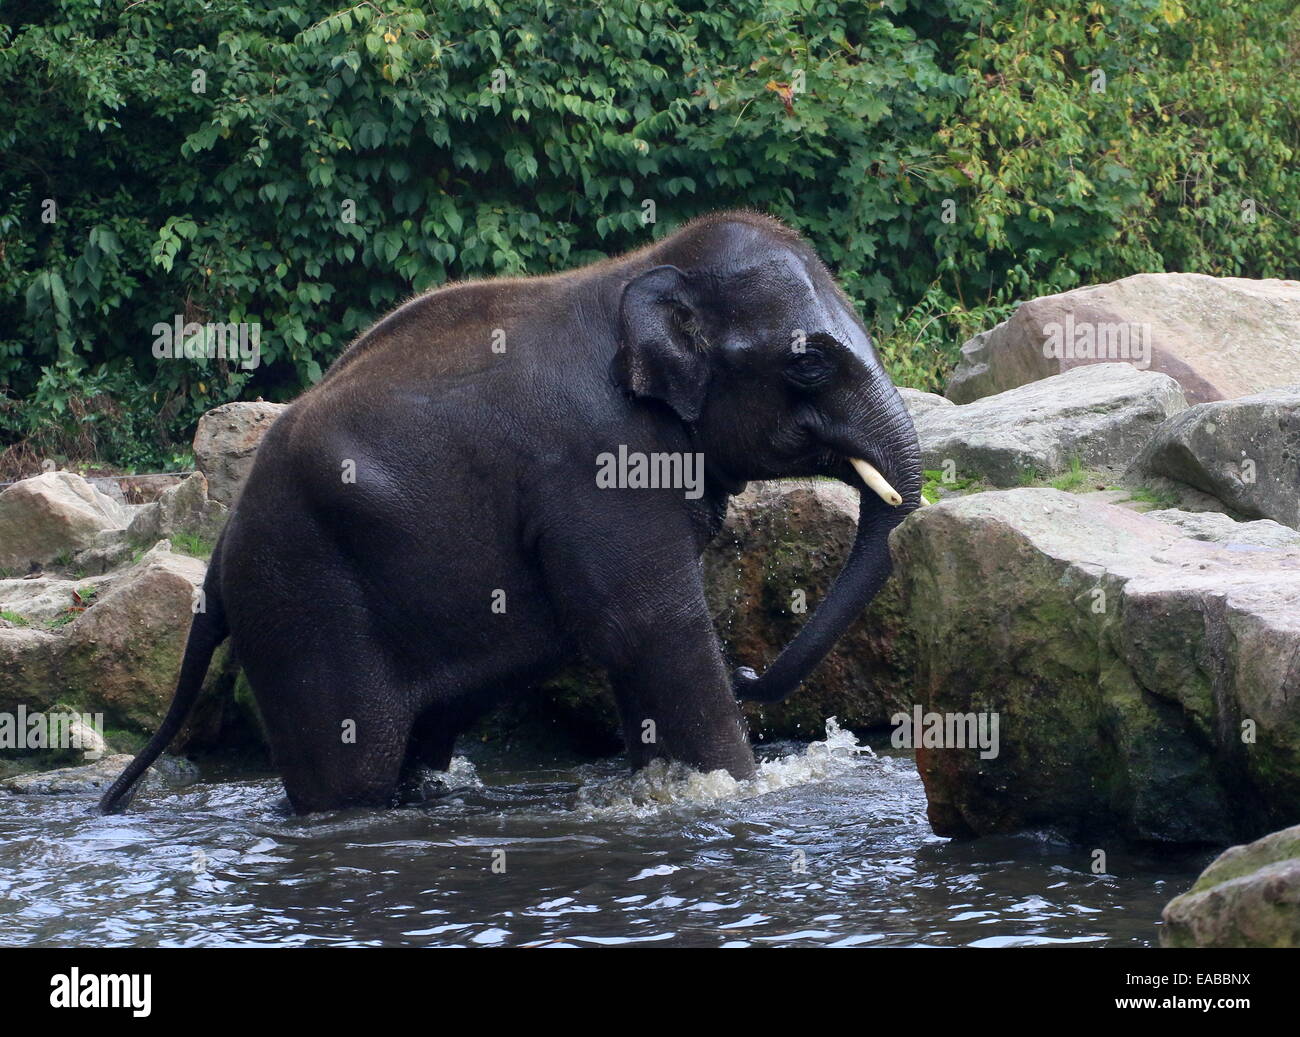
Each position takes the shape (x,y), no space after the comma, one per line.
(828,847)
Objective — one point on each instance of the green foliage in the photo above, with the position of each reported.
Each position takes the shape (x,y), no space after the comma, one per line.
(934,487)
(1162,498)
(924,343)
(1160,166)
(77,411)
(1074,478)
(193,545)
(307,169)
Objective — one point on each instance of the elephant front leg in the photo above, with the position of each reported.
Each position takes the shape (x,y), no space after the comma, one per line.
(638,611)
(675,700)
(629,590)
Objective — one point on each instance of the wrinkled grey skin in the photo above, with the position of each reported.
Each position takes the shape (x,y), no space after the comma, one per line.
(368,605)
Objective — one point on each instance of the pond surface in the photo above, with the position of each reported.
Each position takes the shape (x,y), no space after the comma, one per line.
(828,847)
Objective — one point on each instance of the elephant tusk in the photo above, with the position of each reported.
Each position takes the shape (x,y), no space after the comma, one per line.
(876,482)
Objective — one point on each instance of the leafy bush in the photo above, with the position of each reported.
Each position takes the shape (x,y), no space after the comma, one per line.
(305,169)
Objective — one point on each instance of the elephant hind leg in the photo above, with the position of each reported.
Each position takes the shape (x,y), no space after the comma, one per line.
(433,740)
(333,779)
(338,724)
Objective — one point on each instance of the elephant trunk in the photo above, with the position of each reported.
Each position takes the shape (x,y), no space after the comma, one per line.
(869,564)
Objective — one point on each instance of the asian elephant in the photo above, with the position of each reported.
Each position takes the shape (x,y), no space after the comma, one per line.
(482,485)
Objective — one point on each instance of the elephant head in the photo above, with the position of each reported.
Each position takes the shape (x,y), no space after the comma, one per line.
(742,332)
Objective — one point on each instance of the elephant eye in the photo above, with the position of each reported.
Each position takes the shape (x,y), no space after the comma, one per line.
(808,369)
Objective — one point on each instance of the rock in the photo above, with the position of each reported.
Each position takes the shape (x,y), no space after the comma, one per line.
(40,600)
(1145,682)
(56,735)
(126,650)
(121,655)
(1248,897)
(1219,337)
(1219,528)
(183,509)
(94,778)
(111,550)
(84,734)
(1246,452)
(29,665)
(108,486)
(918,402)
(145,489)
(43,599)
(226,442)
(110,642)
(1101,415)
(53,515)
(781,548)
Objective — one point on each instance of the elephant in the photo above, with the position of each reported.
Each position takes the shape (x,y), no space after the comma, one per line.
(438,519)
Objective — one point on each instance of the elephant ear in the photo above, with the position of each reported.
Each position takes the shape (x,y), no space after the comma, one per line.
(662,354)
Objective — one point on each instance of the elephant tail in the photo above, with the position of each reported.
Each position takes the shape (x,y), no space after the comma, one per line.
(207,631)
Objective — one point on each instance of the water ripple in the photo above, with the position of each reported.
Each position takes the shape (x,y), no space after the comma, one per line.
(828,846)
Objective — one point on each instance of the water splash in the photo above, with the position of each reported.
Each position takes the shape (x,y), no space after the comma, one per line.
(461,774)
(426,785)
(664,785)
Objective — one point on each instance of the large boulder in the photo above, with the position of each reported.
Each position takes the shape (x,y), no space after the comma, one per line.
(51,516)
(124,652)
(1248,897)
(29,665)
(181,510)
(1245,452)
(1144,682)
(225,444)
(918,402)
(1220,337)
(115,649)
(1100,416)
